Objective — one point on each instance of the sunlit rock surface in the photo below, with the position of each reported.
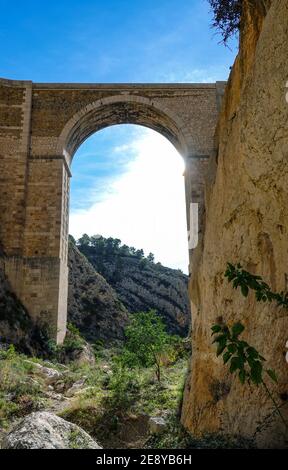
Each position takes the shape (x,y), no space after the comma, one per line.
(43,430)
(246,222)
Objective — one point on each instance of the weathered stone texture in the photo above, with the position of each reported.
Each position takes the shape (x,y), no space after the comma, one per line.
(15,105)
(246,222)
(44,430)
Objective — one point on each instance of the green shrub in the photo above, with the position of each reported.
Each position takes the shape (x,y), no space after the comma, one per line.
(123,385)
(9,353)
(19,394)
(73,341)
(147,342)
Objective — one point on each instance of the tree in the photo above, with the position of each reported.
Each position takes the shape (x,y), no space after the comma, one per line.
(227,17)
(84,240)
(124,250)
(146,341)
(143,264)
(96,240)
(72,239)
(139,254)
(151,257)
(116,244)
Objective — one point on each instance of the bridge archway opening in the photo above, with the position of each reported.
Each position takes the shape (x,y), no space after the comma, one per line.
(127,183)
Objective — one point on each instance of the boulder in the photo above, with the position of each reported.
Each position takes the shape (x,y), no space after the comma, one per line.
(106,369)
(83,356)
(49,375)
(59,386)
(44,430)
(157,425)
(76,387)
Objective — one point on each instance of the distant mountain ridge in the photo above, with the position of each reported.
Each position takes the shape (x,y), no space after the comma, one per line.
(139,283)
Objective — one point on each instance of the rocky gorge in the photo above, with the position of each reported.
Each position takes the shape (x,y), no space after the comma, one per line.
(245,222)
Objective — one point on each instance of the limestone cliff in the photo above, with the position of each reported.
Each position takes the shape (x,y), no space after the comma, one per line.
(93,305)
(246,221)
(142,285)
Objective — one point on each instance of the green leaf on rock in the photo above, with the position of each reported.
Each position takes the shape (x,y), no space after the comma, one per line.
(236,363)
(256,372)
(244,290)
(242,376)
(272,375)
(237,329)
(226,357)
(216,329)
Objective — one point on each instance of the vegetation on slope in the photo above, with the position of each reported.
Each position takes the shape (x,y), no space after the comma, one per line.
(93,305)
(140,283)
(113,399)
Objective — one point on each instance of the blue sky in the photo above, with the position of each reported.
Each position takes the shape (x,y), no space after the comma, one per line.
(113,41)
(110,41)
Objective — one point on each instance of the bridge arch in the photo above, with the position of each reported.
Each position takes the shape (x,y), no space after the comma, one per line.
(41,127)
(121,109)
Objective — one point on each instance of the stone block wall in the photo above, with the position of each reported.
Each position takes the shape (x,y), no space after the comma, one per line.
(41,127)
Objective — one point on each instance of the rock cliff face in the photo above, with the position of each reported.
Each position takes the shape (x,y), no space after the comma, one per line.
(142,285)
(15,323)
(246,222)
(93,305)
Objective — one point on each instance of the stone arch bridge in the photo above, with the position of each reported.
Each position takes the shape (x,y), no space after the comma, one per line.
(41,127)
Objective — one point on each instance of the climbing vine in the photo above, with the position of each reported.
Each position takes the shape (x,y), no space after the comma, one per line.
(240,356)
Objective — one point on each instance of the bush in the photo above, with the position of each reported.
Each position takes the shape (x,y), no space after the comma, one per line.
(147,342)
(19,395)
(73,340)
(8,353)
(124,385)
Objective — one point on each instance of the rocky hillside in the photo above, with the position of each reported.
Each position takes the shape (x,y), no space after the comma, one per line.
(93,305)
(15,324)
(49,405)
(139,282)
(99,306)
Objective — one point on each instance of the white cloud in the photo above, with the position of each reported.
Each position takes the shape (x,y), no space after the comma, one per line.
(198,75)
(145,206)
